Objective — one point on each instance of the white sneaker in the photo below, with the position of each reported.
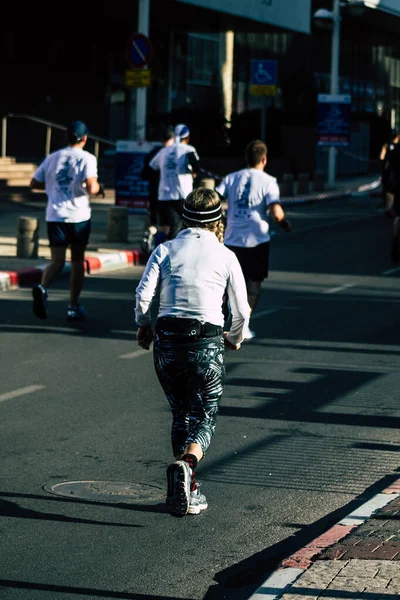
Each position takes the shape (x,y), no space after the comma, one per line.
(248,334)
(197,501)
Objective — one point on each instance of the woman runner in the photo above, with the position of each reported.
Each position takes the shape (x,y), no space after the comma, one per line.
(193,271)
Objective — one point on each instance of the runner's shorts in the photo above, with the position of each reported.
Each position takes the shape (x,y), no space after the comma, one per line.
(66,234)
(254,261)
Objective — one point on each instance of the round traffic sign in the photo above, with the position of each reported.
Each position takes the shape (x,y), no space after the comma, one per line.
(140,50)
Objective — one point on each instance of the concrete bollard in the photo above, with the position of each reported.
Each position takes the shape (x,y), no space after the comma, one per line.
(117,226)
(287,185)
(28,237)
(303,183)
(318,184)
(207,183)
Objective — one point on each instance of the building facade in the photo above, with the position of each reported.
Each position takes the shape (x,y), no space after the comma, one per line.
(75,67)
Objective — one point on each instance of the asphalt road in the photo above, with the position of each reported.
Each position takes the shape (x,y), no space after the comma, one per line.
(309,422)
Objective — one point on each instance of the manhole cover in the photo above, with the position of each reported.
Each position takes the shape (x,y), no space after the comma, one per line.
(107,491)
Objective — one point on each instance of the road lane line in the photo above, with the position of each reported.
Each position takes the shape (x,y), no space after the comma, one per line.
(339,288)
(124,331)
(390,271)
(21,392)
(134,354)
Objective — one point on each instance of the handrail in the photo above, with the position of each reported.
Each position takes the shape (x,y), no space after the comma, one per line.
(50,125)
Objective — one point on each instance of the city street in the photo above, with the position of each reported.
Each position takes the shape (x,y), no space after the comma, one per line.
(308,422)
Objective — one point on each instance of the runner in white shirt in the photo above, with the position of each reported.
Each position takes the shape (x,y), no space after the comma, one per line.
(192,273)
(252,195)
(178,165)
(67,176)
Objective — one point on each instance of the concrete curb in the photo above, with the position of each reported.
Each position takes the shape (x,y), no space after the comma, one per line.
(95,262)
(293,567)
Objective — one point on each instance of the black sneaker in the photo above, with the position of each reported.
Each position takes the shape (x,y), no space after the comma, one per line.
(39,306)
(179,475)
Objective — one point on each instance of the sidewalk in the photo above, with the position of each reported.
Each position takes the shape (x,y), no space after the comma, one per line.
(357,559)
(101,254)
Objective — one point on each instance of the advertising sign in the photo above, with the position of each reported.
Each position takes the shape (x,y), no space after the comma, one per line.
(334,119)
(130,189)
(289,14)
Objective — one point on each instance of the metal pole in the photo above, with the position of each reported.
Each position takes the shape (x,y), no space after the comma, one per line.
(4,137)
(141,93)
(48,140)
(334,88)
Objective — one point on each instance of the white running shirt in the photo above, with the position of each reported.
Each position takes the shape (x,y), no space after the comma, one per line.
(193,271)
(249,193)
(176,179)
(63,173)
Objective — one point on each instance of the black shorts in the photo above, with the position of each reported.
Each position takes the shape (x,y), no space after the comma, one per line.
(170,214)
(68,234)
(254,261)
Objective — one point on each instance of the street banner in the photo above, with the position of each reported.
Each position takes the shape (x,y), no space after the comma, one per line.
(289,14)
(130,189)
(334,119)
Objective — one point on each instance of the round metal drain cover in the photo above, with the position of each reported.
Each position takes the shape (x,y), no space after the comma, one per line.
(107,491)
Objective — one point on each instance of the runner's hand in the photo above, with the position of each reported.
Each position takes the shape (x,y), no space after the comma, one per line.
(229,344)
(144,336)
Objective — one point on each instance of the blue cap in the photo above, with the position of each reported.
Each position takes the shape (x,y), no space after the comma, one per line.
(78,129)
(181,131)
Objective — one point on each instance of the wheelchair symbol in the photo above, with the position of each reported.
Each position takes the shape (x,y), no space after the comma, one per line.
(261,75)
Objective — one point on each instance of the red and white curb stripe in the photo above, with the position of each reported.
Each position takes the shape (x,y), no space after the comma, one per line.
(96,262)
(290,569)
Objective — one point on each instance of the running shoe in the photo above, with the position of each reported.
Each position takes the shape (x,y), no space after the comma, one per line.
(248,334)
(76,313)
(179,476)
(39,306)
(197,501)
(148,239)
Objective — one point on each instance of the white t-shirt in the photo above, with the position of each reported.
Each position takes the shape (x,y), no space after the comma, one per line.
(249,193)
(193,271)
(63,172)
(173,162)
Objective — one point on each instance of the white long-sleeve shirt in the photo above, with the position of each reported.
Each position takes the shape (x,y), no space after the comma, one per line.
(194,270)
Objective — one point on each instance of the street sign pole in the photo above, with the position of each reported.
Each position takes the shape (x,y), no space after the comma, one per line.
(141,93)
(264,118)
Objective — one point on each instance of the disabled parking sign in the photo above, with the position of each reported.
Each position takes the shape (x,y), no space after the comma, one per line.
(263,77)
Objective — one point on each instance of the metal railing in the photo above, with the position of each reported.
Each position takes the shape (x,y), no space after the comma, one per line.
(49,126)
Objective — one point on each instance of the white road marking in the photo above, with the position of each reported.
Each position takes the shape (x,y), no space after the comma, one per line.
(134,354)
(390,271)
(21,392)
(262,313)
(339,288)
(270,311)
(124,331)
(44,328)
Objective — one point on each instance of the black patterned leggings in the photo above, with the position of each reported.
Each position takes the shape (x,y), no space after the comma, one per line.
(192,377)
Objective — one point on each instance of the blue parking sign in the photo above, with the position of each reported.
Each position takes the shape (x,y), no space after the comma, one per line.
(263,72)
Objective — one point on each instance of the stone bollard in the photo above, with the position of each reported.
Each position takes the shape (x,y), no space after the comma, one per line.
(28,237)
(287,185)
(303,183)
(318,184)
(117,226)
(207,183)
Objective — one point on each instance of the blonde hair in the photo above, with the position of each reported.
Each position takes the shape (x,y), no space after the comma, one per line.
(200,199)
